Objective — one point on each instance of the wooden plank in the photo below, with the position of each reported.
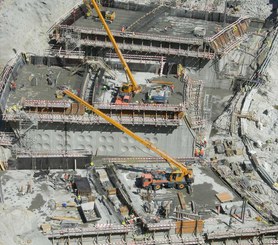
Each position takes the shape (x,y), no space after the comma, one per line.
(189,226)
(64,218)
(181,200)
(224,197)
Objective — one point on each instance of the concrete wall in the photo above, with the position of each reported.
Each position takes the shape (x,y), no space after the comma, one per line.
(12,76)
(105,140)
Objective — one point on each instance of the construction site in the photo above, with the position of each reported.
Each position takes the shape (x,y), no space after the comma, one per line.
(152,122)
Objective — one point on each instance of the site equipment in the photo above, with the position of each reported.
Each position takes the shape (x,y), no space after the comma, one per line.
(122,99)
(161,82)
(109,16)
(178,178)
(158,94)
(131,87)
(88,6)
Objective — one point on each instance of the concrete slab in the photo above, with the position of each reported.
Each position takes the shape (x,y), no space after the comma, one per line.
(42,91)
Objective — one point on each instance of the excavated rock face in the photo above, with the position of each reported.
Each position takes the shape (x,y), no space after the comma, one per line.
(24,25)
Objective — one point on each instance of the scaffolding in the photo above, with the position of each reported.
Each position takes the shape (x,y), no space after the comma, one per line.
(131,41)
(91,119)
(194,101)
(230,36)
(7,139)
(23,153)
(46,103)
(138,59)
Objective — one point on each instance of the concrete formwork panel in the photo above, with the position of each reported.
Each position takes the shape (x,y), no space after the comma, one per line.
(104,140)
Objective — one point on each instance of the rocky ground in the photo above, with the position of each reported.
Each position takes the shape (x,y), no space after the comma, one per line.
(24,24)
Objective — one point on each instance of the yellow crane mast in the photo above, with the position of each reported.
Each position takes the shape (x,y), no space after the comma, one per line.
(127,88)
(182,175)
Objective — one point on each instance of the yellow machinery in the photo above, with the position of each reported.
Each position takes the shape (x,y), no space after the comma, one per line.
(108,15)
(179,177)
(132,87)
(88,6)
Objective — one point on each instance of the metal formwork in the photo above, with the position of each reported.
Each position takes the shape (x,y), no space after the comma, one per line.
(230,36)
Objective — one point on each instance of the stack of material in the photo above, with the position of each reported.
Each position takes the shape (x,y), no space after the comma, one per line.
(189,226)
(2,166)
(124,210)
(224,197)
(46,228)
(111,191)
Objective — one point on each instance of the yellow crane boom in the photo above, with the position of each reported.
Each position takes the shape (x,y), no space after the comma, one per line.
(184,170)
(133,87)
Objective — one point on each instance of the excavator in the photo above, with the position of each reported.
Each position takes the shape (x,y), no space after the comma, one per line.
(179,177)
(132,87)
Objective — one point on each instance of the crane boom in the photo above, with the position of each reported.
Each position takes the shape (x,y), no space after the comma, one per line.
(133,86)
(144,142)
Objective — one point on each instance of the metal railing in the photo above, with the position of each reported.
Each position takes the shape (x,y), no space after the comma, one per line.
(88,119)
(22,153)
(100,229)
(149,49)
(134,35)
(141,107)
(46,103)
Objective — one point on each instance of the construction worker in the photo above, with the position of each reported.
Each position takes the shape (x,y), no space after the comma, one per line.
(79,199)
(204,143)
(172,88)
(13,86)
(197,152)
(123,29)
(202,153)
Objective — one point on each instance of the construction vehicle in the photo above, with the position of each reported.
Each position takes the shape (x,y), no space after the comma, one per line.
(132,86)
(180,177)
(123,99)
(88,6)
(108,15)
(158,94)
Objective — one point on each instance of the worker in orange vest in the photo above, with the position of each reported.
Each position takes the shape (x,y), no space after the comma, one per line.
(13,86)
(202,153)
(197,152)
(123,29)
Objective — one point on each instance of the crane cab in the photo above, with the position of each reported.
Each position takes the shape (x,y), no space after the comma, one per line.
(176,176)
(145,181)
